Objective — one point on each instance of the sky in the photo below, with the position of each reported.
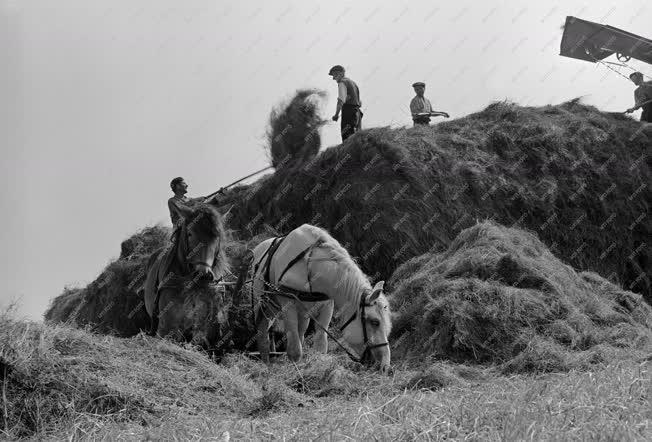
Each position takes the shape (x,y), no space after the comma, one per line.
(103,102)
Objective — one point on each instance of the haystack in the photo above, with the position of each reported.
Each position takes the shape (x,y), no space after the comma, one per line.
(577,176)
(498,295)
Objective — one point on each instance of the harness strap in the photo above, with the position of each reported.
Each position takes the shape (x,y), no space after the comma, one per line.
(295,260)
(304,296)
(350,320)
(270,253)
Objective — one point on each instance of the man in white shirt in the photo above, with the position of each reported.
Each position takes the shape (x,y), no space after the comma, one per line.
(420,106)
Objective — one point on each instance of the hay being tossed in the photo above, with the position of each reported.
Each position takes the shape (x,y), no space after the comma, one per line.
(293,133)
(498,295)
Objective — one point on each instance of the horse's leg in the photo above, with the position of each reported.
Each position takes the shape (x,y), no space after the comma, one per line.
(170,315)
(262,335)
(272,335)
(320,340)
(272,342)
(153,323)
(291,322)
(302,325)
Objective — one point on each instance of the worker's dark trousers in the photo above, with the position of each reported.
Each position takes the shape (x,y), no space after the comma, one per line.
(646,115)
(351,120)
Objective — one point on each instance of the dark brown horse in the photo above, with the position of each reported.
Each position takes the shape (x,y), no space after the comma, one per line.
(180,295)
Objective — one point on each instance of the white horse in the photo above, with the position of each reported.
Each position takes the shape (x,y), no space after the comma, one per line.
(308,273)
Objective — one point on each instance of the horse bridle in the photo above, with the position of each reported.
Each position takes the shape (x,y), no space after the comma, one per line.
(362,306)
(184,231)
(192,253)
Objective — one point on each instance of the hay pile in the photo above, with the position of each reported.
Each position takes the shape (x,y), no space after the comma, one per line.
(498,295)
(58,380)
(293,133)
(577,176)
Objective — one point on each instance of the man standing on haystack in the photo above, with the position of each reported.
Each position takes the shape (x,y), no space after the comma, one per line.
(348,101)
(420,106)
(642,97)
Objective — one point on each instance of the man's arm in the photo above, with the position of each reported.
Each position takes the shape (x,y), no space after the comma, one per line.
(638,102)
(341,99)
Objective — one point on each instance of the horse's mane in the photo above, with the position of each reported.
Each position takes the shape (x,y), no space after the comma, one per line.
(353,281)
(206,222)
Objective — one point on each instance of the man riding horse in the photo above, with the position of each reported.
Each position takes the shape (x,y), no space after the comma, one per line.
(177,295)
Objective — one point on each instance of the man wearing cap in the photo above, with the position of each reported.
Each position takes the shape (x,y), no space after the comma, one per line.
(420,106)
(642,97)
(348,101)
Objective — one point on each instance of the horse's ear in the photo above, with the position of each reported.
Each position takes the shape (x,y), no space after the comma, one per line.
(377,290)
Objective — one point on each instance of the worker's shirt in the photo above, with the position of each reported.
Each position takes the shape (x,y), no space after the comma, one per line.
(420,105)
(643,93)
(348,92)
(179,208)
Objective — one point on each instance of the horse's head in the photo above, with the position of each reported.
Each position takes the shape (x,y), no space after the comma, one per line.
(204,235)
(368,329)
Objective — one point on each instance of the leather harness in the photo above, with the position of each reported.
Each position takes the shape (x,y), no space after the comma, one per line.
(309,296)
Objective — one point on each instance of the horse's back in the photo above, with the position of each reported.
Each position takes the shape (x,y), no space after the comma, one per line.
(296,242)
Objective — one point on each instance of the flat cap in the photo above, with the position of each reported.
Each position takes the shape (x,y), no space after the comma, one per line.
(336,68)
(418,83)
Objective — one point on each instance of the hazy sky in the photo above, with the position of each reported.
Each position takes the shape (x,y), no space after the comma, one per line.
(102,103)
